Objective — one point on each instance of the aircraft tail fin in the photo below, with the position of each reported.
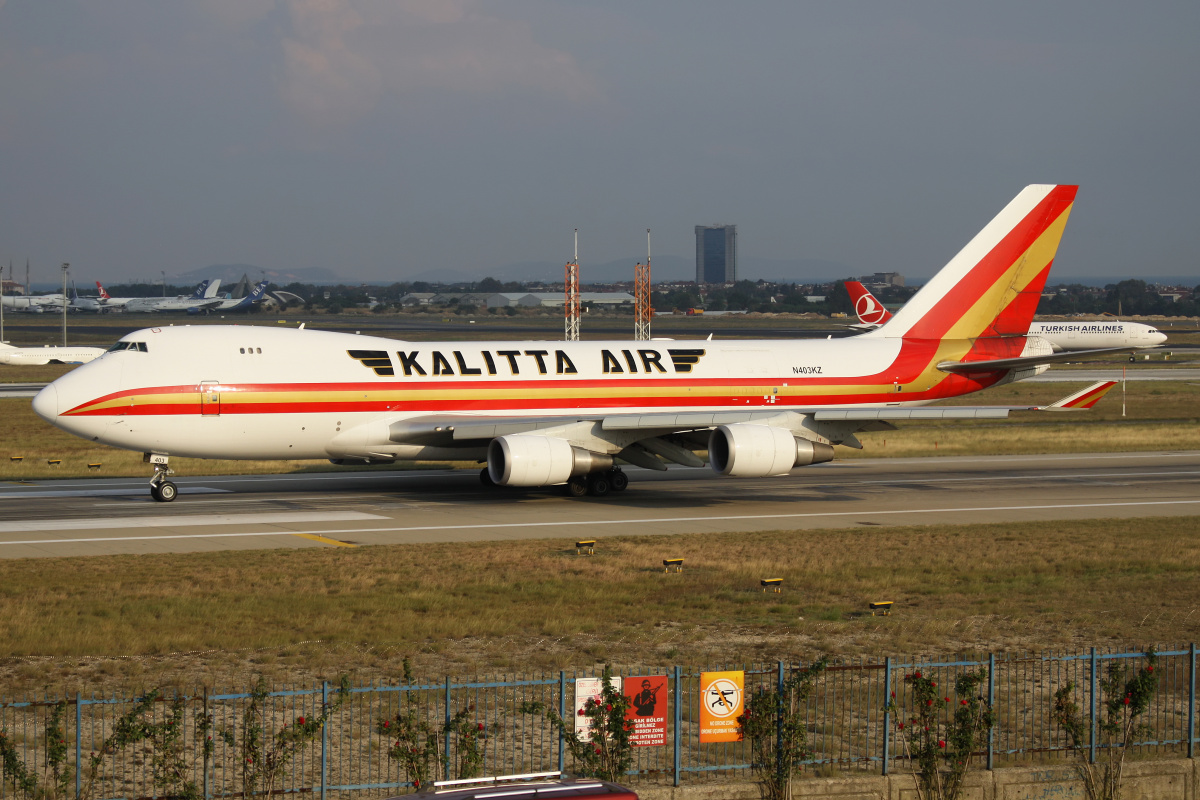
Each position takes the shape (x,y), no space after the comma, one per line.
(1085,398)
(200,290)
(993,285)
(103,294)
(211,291)
(254,298)
(869,310)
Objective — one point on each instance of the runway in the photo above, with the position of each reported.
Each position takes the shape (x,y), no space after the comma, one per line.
(99,517)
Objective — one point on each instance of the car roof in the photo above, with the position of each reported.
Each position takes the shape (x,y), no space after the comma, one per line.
(532,786)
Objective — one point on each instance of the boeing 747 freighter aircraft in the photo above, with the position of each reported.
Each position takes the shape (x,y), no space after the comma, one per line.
(545,413)
(1099,335)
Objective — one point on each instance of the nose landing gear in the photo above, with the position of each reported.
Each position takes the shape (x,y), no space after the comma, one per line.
(161,489)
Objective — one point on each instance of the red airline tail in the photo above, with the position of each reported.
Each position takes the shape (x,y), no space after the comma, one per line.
(869,310)
(103,294)
(992,287)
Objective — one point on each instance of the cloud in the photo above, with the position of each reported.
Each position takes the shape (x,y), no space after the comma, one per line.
(341,59)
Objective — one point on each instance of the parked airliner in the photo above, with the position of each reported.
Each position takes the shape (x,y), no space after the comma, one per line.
(50,354)
(546,413)
(1062,336)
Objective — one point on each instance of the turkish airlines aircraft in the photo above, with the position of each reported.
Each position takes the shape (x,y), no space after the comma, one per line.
(543,413)
(1108,336)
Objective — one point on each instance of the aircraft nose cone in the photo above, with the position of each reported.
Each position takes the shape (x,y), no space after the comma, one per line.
(45,403)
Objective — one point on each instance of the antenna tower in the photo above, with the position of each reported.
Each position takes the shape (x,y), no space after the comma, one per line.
(571,284)
(641,297)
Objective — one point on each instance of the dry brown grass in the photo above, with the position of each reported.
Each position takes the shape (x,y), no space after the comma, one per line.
(515,606)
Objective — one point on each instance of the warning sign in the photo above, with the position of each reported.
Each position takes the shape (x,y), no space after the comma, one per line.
(589,689)
(720,705)
(647,709)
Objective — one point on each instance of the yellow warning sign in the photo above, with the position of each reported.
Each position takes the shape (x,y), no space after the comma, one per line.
(720,705)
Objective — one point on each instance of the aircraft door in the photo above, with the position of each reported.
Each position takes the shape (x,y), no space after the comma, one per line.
(210,398)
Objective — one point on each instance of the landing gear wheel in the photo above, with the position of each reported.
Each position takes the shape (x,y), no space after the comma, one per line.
(167,492)
(154,492)
(577,487)
(485,477)
(618,480)
(598,485)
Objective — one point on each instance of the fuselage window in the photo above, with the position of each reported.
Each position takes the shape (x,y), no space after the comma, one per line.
(258,350)
(242,350)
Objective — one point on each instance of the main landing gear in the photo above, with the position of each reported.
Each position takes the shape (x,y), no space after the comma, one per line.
(598,484)
(161,489)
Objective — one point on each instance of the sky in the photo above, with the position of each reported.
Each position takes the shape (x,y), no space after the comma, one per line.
(388,140)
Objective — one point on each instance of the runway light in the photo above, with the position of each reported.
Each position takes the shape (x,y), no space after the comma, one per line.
(54,462)
(15,458)
(882,608)
(774,584)
(672,563)
(586,544)
(94,466)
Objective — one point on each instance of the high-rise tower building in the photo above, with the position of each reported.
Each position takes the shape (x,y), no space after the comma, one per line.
(716,253)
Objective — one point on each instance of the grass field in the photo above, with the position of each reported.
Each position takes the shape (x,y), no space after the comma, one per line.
(217,618)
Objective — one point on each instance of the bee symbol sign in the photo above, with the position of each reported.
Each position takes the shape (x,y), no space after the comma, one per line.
(720,705)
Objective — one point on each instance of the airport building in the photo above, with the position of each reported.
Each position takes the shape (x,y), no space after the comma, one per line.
(716,253)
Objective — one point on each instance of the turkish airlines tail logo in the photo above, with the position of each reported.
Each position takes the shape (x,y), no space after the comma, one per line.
(103,294)
(868,309)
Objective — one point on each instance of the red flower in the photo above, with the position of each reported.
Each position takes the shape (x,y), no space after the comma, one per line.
(1126,701)
(963,702)
(917,675)
(480,726)
(417,782)
(947,699)
(581,712)
(608,707)
(385,723)
(901,726)
(893,695)
(1150,668)
(933,684)
(597,751)
(941,743)
(300,721)
(929,702)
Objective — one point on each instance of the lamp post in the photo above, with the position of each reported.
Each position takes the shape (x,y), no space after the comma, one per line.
(164,281)
(2,302)
(65,267)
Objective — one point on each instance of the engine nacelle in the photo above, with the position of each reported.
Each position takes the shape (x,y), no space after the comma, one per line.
(755,451)
(529,460)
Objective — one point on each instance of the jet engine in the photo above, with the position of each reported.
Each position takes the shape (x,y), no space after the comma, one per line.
(526,460)
(755,451)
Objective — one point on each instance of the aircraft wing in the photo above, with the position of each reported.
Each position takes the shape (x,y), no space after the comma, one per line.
(836,425)
(1000,364)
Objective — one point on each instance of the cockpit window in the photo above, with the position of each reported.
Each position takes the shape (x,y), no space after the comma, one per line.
(119,346)
(141,346)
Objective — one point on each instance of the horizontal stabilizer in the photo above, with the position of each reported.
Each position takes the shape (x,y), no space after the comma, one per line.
(1025,362)
(1083,399)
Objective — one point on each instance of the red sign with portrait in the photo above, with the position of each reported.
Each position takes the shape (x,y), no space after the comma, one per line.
(647,709)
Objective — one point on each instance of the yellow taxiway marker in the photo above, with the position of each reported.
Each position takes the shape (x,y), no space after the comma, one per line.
(324,540)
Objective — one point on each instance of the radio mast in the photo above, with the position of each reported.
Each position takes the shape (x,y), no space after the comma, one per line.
(641,297)
(571,285)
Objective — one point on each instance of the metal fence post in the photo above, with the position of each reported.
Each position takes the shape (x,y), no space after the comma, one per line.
(783,768)
(678,720)
(887,713)
(991,749)
(324,739)
(205,761)
(447,737)
(1092,722)
(1191,726)
(562,714)
(78,745)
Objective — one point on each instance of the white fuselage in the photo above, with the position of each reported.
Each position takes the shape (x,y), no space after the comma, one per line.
(37,356)
(269,393)
(1096,334)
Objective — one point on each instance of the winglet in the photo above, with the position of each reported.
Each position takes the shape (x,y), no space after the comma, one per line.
(1082,399)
